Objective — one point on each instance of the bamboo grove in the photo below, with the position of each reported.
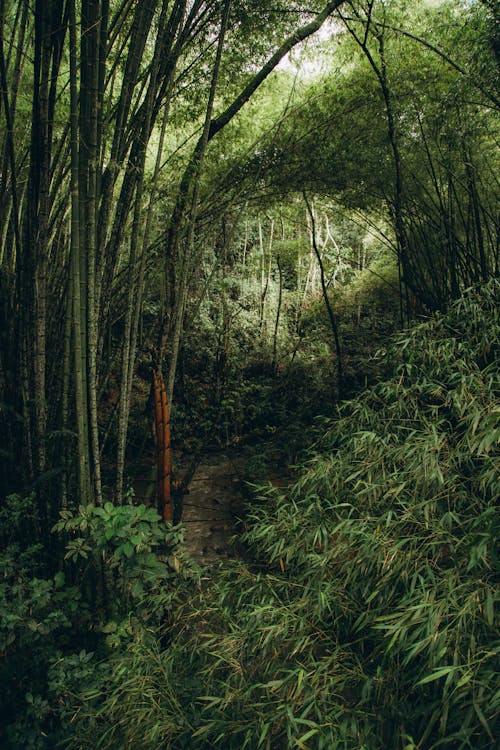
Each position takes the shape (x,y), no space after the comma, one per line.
(113,114)
(77,206)
(249,250)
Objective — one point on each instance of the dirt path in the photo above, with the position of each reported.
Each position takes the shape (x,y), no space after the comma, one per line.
(212,506)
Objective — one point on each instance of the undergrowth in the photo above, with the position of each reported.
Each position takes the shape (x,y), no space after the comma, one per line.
(366,619)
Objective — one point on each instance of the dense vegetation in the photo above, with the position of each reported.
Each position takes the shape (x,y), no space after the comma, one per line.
(281,223)
(364,618)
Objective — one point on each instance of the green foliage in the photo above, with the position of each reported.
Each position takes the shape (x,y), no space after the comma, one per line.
(229,391)
(137,556)
(368,309)
(129,570)
(30,608)
(440,74)
(367,619)
(390,539)
(35,614)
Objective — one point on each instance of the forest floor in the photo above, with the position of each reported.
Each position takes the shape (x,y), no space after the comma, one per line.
(213,505)
(213,508)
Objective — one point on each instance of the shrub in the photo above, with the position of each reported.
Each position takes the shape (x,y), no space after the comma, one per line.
(59,640)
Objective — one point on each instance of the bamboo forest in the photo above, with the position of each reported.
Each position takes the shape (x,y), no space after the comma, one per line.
(249,374)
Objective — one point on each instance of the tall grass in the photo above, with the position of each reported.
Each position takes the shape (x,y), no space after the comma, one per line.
(367,617)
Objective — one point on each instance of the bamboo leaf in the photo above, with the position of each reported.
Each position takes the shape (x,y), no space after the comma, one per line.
(436,675)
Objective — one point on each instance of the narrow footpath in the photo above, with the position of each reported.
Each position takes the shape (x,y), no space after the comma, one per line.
(212,507)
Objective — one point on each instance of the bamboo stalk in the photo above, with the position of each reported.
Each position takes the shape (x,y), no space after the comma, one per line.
(163,447)
(159,438)
(167,508)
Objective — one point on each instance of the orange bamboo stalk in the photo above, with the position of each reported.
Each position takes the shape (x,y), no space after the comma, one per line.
(163,449)
(159,440)
(168,513)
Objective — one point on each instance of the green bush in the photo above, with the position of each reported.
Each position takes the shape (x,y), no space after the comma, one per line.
(36,617)
(58,640)
(130,551)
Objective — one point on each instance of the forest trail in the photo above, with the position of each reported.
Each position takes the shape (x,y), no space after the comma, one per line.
(212,507)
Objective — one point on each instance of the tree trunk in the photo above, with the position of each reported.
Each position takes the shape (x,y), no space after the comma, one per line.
(278,313)
(195,170)
(79,319)
(331,315)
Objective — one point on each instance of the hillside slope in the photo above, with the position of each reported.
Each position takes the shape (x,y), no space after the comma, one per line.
(366,618)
